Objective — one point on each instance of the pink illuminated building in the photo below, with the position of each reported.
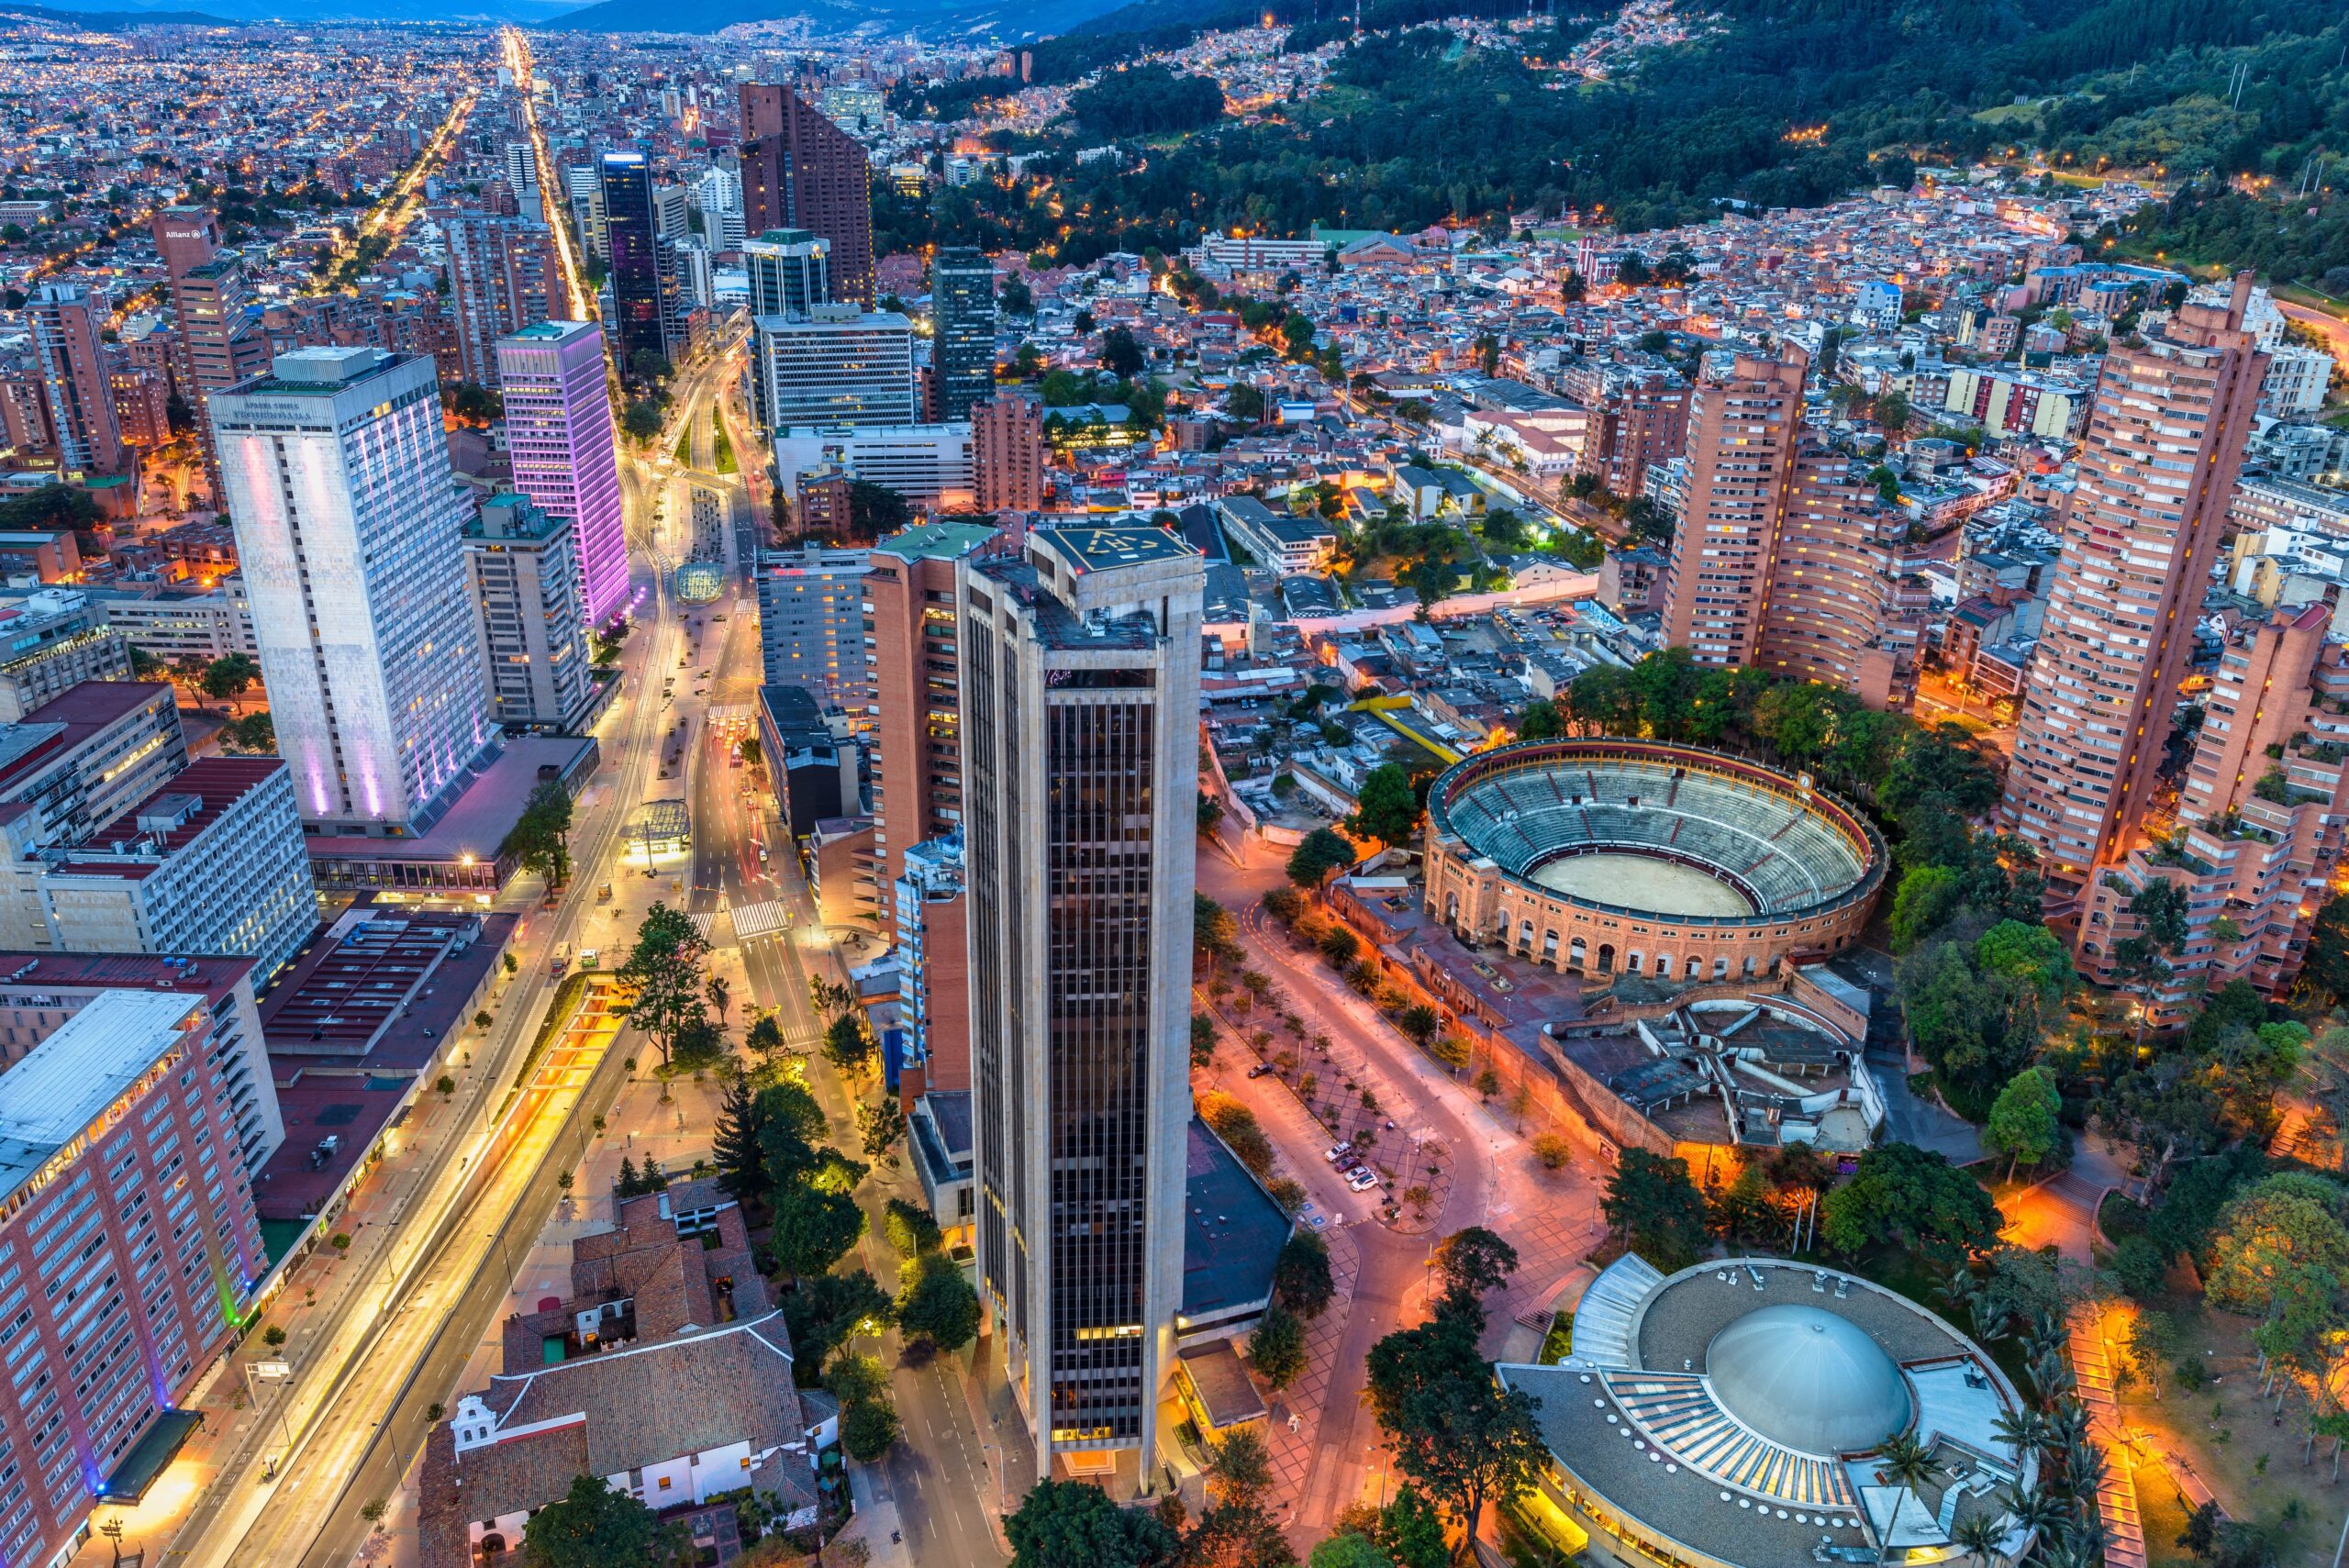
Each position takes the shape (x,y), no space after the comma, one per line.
(559,431)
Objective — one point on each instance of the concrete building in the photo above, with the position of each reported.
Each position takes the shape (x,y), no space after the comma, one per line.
(212,863)
(121,1187)
(915,685)
(812,623)
(929,465)
(789,270)
(1007,453)
(524,573)
(963,315)
(2297,378)
(800,170)
(2140,538)
(1080,720)
(220,341)
(74,382)
(51,641)
(348,524)
(558,435)
(504,275)
(82,760)
(930,915)
(1639,416)
(180,625)
(1284,542)
(1742,431)
(836,365)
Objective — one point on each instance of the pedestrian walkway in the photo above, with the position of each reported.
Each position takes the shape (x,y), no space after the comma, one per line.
(2116,1498)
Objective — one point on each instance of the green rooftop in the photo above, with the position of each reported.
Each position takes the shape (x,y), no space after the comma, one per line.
(942,538)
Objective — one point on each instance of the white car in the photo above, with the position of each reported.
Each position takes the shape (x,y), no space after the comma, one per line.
(1362,1181)
(1338,1151)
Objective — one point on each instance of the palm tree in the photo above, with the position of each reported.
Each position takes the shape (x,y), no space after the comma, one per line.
(2038,1511)
(2025,1428)
(1981,1535)
(1909,1462)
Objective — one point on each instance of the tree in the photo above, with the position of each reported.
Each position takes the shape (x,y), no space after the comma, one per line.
(1914,1197)
(879,1125)
(1276,1348)
(814,1227)
(1301,1279)
(2326,968)
(1386,808)
(910,1228)
(1929,896)
(827,1309)
(937,1304)
(1653,1205)
(1320,853)
(875,510)
(539,837)
(2025,1124)
(2291,1221)
(764,1037)
(848,1043)
(734,1142)
(1210,813)
(662,977)
(1073,1524)
(1473,1262)
(592,1526)
(1120,355)
(1540,721)
(1351,1550)
(868,1430)
(227,678)
(641,420)
(1456,1433)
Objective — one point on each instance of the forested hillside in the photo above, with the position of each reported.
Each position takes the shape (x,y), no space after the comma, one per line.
(1413,129)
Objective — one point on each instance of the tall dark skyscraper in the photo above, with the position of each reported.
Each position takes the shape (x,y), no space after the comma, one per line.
(1080,700)
(638,319)
(962,308)
(800,170)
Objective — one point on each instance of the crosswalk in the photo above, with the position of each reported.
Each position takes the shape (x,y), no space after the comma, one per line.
(770,917)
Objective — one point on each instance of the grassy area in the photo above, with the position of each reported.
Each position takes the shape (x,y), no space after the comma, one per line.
(724,449)
(1559,1343)
(2002,112)
(2314,299)
(685,453)
(566,1001)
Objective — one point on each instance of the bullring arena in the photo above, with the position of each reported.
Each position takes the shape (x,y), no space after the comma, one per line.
(1623,857)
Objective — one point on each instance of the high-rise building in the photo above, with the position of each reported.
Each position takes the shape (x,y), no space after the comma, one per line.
(918,751)
(2164,444)
(504,275)
(1007,453)
(632,233)
(800,170)
(2260,811)
(1639,416)
(128,1234)
(789,271)
(1829,590)
(584,182)
(928,912)
(811,624)
(840,365)
(348,523)
(961,312)
(566,459)
(1080,673)
(1742,431)
(525,580)
(221,342)
(73,379)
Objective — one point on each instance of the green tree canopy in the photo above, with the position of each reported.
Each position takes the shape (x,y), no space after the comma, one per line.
(592,1526)
(663,979)
(936,1305)
(1914,1198)
(2026,1123)
(1073,1524)
(1653,1205)
(1320,853)
(1386,808)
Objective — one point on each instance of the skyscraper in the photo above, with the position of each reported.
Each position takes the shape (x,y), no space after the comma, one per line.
(917,760)
(348,525)
(962,310)
(2165,441)
(800,170)
(837,365)
(789,271)
(632,233)
(1007,453)
(504,275)
(73,379)
(559,433)
(1080,722)
(220,341)
(519,564)
(1742,430)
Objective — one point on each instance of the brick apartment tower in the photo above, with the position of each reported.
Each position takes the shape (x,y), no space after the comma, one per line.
(1742,434)
(917,685)
(504,275)
(221,344)
(800,170)
(1639,419)
(2165,441)
(1007,453)
(73,379)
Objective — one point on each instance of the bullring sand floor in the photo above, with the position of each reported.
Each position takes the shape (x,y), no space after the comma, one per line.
(1637,882)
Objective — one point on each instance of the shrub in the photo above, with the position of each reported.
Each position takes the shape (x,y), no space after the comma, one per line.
(909,1228)
(1552,1149)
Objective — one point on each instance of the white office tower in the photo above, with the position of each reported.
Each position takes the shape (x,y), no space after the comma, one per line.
(348,523)
(840,365)
(1080,714)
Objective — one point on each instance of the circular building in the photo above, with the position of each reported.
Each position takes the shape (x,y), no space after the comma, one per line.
(1733,1414)
(1628,857)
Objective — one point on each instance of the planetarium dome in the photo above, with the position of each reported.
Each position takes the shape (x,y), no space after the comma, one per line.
(1805,1378)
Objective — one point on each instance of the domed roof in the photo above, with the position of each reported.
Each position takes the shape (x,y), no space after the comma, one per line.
(1804,1377)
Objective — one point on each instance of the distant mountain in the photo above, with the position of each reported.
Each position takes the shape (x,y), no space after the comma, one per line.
(114,21)
(964,19)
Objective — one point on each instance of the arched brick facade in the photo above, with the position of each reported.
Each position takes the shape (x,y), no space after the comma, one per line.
(1478,863)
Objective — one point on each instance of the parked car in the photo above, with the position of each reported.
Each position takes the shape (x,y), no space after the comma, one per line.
(1364,1182)
(1260,1070)
(1338,1151)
